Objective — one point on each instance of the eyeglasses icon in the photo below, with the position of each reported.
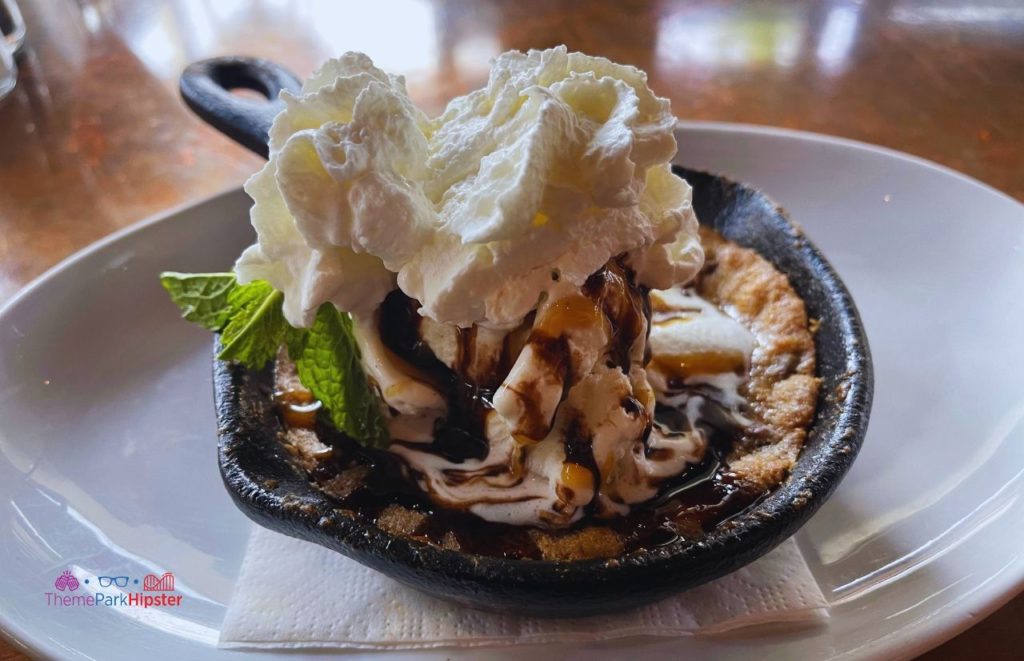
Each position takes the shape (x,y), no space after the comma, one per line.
(107,581)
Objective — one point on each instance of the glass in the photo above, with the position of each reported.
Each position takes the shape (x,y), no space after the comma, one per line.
(12,25)
(119,581)
(12,34)
(8,69)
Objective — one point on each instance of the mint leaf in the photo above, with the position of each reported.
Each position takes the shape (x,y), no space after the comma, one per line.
(327,360)
(252,326)
(256,328)
(249,316)
(202,297)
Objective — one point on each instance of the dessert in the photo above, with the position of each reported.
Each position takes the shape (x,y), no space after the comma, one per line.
(496,331)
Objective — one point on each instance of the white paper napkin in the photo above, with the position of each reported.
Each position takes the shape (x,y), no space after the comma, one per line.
(293,594)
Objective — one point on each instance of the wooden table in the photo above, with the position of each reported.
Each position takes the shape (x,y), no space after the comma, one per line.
(95,137)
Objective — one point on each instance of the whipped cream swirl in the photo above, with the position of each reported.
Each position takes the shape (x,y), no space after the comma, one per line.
(558,164)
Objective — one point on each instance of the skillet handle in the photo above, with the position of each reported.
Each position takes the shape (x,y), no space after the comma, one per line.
(205,87)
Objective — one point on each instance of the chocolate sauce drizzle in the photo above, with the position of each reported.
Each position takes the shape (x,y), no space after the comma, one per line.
(702,497)
(461,436)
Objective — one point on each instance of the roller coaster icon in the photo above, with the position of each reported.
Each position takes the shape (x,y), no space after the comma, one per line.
(154,583)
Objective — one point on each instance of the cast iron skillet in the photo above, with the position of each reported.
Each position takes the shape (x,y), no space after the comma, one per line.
(266,486)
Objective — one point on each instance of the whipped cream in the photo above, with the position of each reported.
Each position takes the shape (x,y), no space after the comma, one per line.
(558,164)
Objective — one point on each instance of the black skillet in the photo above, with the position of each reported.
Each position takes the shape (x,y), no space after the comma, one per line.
(272,492)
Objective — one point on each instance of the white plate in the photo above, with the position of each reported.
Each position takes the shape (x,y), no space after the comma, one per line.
(107,433)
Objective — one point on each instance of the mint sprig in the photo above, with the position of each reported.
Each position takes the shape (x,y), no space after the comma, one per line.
(202,297)
(251,322)
(327,361)
(256,327)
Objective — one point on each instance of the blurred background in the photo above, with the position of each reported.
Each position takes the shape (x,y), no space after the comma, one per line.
(94,137)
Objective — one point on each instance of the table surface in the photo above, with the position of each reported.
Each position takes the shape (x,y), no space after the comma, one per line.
(94,137)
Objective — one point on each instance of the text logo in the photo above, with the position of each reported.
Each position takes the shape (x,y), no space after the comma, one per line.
(157,591)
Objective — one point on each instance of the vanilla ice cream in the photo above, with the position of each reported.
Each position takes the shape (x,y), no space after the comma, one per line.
(563,402)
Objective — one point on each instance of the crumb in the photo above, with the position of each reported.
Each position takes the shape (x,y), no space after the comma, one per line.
(345,483)
(450,542)
(305,446)
(399,520)
(686,526)
(583,544)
